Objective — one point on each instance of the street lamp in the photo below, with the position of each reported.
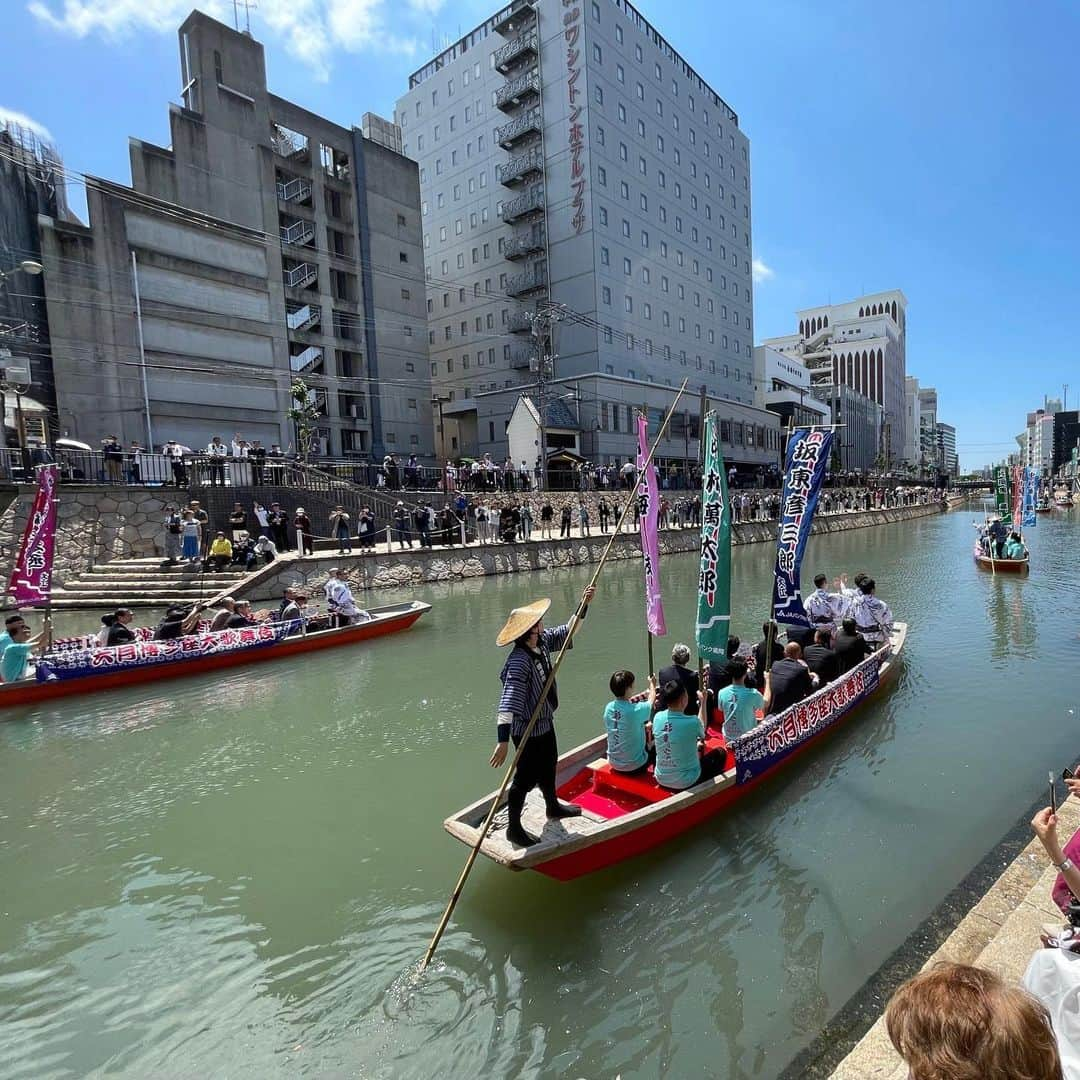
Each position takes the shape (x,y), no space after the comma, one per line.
(27,266)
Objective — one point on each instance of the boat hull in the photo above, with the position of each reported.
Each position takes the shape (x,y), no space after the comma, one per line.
(389,621)
(651,826)
(1002,566)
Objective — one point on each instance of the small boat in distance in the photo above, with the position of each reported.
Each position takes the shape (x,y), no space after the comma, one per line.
(624,815)
(101,668)
(1001,566)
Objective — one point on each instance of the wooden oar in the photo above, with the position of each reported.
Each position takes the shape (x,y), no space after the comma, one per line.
(575,623)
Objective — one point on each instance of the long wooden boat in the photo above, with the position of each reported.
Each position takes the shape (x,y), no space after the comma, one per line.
(1044,508)
(1065,502)
(625,815)
(1001,566)
(388,619)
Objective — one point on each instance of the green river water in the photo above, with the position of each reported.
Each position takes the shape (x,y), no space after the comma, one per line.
(231,875)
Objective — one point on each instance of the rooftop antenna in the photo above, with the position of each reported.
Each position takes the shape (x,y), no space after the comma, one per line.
(247,5)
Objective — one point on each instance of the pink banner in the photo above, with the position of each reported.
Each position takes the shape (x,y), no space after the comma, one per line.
(649,508)
(31,577)
(1018,497)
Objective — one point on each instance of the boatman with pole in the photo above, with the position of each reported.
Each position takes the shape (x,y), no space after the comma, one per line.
(523,677)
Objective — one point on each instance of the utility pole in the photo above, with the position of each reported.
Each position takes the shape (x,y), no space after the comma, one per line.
(543,330)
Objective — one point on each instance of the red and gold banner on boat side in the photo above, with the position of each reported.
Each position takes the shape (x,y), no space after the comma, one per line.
(778,736)
(31,576)
(77,663)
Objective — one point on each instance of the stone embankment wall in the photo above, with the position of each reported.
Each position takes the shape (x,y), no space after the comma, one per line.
(94,525)
(413,567)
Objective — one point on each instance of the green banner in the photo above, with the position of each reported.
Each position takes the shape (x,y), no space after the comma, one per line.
(714,574)
(1001,494)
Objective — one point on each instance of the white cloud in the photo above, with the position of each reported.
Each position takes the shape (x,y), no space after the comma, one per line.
(117,18)
(761,272)
(309,30)
(10,116)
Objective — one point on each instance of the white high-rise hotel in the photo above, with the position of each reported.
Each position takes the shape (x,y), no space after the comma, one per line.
(860,345)
(568,153)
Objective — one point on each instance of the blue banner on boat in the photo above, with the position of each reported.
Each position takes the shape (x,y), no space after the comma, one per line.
(1031,496)
(75,663)
(778,736)
(807,458)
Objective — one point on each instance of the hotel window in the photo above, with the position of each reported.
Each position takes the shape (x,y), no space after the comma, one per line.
(620,74)
(597,55)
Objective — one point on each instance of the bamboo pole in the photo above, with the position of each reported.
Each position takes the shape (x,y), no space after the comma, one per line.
(575,623)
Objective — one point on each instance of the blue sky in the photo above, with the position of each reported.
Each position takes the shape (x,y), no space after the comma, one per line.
(931,148)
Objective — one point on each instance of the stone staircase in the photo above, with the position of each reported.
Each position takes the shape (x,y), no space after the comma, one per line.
(143,583)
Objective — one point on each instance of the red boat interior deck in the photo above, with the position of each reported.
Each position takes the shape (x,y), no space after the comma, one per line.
(608,794)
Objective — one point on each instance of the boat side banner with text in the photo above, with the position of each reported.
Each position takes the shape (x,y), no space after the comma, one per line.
(649,511)
(31,576)
(714,571)
(76,663)
(1001,494)
(807,458)
(777,736)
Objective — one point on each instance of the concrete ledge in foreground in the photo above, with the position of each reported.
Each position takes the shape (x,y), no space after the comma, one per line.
(999,933)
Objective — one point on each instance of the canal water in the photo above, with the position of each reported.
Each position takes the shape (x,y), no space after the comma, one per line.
(232,875)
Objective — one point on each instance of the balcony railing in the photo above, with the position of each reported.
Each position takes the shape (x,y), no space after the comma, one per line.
(298,277)
(530,280)
(522,359)
(522,44)
(517,170)
(298,233)
(515,15)
(297,190)
(524,243)
(525,124)
(520,323)
(306,360)
(527,203)
(514,93)
(303,318)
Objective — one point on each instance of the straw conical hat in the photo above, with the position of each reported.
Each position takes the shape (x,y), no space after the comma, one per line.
(521,620)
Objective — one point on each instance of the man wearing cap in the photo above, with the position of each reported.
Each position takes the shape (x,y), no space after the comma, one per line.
(523,677)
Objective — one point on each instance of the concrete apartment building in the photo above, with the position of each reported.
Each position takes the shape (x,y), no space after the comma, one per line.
(31,184)
(785,386)
(267,243)
(570,155)
(946,440)
(862,345)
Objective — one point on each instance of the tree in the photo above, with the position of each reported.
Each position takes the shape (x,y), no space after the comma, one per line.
(305,416)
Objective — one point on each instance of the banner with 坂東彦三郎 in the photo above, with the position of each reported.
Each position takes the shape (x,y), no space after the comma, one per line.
(807,458)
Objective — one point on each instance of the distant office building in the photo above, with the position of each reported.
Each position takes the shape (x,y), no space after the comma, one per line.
(860,344)
(31,183)
(858,437)
(785,389)
(946,443)
(1039,443)
(928,443)
(913,457)
(1066,438)
(569,154)
(265,244)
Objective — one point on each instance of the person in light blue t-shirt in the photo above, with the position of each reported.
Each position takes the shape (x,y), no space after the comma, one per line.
(15,658)
(629,732)
(739,703)
(11,624)
(680,742)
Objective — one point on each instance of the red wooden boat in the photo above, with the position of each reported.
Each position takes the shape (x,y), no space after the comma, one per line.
(1001,566)
(384,620)
(625,815)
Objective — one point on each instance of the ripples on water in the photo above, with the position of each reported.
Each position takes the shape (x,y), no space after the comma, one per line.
(239,877)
